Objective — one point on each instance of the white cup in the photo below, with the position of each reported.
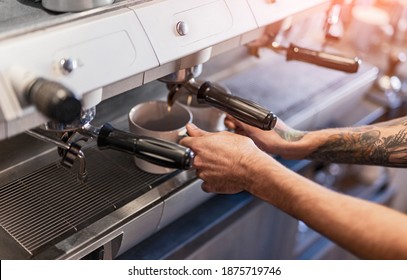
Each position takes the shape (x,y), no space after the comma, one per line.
(205,116)
(153,119)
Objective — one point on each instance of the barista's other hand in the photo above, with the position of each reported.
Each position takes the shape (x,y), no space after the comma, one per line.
(223,160)
(281,140)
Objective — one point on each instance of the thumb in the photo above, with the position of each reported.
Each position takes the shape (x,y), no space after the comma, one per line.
(194,131)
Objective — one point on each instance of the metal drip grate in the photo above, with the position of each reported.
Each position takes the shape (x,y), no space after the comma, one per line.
(46,206)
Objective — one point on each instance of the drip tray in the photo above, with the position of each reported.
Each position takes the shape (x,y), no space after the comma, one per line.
(46,206)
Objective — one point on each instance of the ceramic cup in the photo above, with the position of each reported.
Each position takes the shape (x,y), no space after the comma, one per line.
(205,116)
(153,119)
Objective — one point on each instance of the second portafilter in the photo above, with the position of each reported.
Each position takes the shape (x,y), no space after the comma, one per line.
(218,96)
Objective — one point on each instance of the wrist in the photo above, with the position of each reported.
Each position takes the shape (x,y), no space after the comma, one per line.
(295,144)
(255,166)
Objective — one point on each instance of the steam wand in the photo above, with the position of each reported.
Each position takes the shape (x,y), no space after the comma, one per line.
(271,39)
(324,59)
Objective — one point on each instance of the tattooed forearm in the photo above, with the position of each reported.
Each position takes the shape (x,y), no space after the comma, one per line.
(368,147)
(290,135)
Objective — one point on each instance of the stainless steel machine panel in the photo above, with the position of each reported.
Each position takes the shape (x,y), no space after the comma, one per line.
(48,205)
(188,197)
(267,12)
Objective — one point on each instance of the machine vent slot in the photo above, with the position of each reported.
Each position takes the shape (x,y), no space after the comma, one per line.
(46,206)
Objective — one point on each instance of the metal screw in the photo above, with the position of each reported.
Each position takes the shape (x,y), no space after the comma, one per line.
(68,65)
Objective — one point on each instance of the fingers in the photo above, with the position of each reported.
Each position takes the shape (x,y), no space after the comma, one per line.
(194,131)
(236,125)
(205,187)
(230,124)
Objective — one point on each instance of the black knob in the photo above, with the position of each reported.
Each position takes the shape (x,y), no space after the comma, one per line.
(242,109)
(54,100)
(156,151)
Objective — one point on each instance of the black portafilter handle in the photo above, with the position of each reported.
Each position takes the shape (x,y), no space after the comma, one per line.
(54,100)
(156,151)
(242,109)
(328,60)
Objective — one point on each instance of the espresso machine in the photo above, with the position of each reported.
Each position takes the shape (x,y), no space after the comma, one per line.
(71,70)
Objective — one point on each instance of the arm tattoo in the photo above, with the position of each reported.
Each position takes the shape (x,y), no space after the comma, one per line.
(291,135)
(367,147)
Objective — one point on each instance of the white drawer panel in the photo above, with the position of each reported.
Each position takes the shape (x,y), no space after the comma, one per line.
(208,22)
(106,48)
(266,12)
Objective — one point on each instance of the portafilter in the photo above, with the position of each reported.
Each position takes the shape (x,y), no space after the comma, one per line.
(154,150)
(218,96)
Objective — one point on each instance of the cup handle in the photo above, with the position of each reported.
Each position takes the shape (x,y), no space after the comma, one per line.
(181,134)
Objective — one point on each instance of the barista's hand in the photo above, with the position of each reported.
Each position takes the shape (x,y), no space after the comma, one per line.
(223,160)
(282,140)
